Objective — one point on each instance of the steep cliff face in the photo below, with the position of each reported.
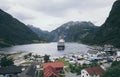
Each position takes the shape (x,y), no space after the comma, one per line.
(109,32)
(13,32)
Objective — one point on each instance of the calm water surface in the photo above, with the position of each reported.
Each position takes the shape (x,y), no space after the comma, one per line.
(48,48)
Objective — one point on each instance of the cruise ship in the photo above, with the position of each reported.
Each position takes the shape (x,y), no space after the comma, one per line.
(61,44)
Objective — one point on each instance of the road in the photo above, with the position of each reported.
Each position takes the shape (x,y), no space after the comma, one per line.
(72,75)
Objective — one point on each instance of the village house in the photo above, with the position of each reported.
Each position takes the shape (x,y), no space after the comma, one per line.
(76,58)
(20,71)
(11,71)
(53,69)
(92,53)
(118,56)
(28,72)
(92,72)
(109,50)
(50,72)
(118,53)
(105,66)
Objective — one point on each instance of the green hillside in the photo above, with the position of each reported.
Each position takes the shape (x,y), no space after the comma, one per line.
(109,32)
(13,32)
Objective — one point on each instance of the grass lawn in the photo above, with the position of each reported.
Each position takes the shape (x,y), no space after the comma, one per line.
(26,63)
(11,56)
(62,75)
(41,73)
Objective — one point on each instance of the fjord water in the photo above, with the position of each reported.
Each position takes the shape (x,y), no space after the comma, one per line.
(48,48)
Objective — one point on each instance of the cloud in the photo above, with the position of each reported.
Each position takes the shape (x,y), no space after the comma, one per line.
(4,4)
(49,14)
(21,13)
(59,7)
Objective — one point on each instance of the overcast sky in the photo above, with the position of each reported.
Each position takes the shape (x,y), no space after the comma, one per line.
(49,14)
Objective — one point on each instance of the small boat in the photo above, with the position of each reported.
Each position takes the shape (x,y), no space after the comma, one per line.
(61,44)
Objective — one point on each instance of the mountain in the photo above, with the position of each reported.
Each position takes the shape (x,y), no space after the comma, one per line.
(13,32)
(39,32)
(73,31)
(109,32)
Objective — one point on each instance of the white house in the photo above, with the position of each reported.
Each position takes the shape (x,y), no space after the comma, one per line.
(118,58)
(105,66)
(118,53)
(92,53)
(108,47)
(92,72)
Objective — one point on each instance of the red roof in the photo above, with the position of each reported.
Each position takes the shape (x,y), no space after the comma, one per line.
(53,64)
(95,70)
(48,71)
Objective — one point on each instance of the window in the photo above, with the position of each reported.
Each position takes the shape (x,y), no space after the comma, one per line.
(87,74)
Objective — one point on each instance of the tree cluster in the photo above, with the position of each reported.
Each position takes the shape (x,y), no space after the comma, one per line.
(113,71)
(6,62)
(77,68)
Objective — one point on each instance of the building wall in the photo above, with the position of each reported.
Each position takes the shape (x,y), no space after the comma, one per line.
(118,59)
(84,73)
(92,55)
(118,53)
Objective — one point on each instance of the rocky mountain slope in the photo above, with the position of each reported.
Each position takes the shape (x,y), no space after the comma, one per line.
(109,32)
(73,31)
(13,32)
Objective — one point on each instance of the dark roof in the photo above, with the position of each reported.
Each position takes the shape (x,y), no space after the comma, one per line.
(11,69)
(95,70)
(29,72)
(49,70)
